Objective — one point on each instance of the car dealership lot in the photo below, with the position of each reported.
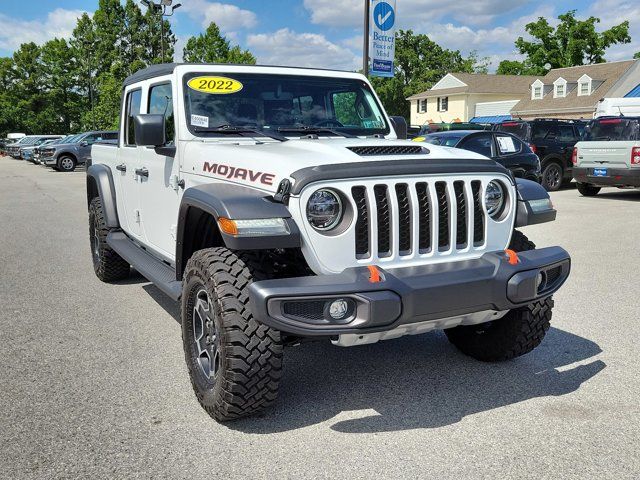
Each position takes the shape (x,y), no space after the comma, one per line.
(93,378)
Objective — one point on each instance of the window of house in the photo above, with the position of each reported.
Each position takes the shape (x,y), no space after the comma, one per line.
(560,90)
(133,108)
(443,104)
(423,105)
(584,88)
(537,92)
(161,103)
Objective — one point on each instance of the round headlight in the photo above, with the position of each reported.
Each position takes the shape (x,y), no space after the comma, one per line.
(494,198)
(324,209)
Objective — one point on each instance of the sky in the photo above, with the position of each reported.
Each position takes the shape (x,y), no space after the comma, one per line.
(328,33)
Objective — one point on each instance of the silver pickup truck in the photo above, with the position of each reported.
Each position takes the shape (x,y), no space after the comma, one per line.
(609,156)
(77,151)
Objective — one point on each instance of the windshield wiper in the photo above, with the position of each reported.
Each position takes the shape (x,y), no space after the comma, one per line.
(308,129)
(233,130)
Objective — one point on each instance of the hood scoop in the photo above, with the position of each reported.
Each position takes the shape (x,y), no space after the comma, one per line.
(384,150)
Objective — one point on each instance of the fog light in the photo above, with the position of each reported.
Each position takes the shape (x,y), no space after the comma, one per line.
(540,281)
(339,309)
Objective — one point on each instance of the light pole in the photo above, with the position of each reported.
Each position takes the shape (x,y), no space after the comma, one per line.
(165,8)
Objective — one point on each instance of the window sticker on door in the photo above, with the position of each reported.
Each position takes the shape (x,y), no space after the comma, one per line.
(506,145)
(199,121)
(215,85)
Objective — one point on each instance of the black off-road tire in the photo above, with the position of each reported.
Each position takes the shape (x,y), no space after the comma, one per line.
(107,264)
(244,380)
(518,332)
(520,242)
(587,190)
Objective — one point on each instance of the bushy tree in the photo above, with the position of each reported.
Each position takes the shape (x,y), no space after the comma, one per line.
(573,42)
(419,64)
(213,47)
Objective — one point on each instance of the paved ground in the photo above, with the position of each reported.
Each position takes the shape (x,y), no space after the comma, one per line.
(93,381)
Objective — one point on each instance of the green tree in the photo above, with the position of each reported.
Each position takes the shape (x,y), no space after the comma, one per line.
(64,104)
(213,47)
(419,64)
(573,42)
(636,55)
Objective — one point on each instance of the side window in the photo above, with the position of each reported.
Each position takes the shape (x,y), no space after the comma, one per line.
(508,145)
(565,134)
(479,143)
(133,108)
(540,131)
(161,102)
(91,139)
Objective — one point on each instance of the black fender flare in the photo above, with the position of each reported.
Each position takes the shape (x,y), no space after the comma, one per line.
(100,183)
(533,204)
(235,202)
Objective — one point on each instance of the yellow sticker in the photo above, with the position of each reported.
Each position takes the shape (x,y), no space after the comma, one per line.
(215,85)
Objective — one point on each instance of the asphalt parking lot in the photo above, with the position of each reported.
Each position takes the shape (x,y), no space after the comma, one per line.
(94,384)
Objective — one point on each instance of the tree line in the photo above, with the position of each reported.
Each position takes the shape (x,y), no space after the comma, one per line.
(75,85)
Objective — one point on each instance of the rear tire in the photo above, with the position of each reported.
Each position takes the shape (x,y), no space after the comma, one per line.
(107,264)
(587,190)
(518,332)
(552,175)
(234,361)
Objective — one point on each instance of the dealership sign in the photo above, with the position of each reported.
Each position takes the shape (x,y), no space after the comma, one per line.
(382,42)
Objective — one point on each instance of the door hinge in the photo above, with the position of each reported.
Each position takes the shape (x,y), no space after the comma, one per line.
(175,182)
(173,230)
(137,215)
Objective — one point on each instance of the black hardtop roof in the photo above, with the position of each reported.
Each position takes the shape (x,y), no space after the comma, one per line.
(454,133)
(621,117)
(162,69)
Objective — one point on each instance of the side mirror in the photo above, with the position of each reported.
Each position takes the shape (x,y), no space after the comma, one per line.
(149,130)
(400,126)
(84,143)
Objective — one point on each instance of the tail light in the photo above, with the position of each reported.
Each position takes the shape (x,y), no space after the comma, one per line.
(574,157)
(533,148)
(635,156)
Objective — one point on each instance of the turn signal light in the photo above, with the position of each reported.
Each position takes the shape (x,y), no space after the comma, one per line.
(574,157)
(635,156)
(533,148)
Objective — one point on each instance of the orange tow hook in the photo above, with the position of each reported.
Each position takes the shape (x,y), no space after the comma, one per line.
(513,257)
(374,274)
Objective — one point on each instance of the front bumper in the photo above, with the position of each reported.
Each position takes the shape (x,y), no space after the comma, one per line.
(49,161)
(616,177)
(300,306)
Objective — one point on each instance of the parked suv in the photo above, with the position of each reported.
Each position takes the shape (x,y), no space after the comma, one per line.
(609,155)
(279,205)
(28,152)
(66,157)
(553,142)
(505,148)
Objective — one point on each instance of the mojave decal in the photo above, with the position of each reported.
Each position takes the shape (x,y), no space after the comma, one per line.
(227,171)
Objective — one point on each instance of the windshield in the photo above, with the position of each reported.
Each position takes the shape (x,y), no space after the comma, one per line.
(612,129)
(519,129)
(281,102)
(444,140)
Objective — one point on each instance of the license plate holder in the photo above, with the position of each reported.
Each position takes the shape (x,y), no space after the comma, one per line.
(600,172)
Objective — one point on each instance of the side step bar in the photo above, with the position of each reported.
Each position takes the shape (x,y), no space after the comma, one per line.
(154,270)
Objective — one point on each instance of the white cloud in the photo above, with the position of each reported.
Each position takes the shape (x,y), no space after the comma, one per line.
(614,12)
(351,12)
(286,47)
(58,23)
(228,17)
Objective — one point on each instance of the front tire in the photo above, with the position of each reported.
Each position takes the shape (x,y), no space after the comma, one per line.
(66,164)
(107,264)
(234,361)
(587,190)
(518,332)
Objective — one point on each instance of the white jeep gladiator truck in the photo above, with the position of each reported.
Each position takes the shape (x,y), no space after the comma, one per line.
(279,205)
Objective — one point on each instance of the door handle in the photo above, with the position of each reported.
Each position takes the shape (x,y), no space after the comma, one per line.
(143,172)
(121,168)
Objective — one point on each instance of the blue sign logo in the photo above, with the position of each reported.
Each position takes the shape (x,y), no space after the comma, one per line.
(384,16)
